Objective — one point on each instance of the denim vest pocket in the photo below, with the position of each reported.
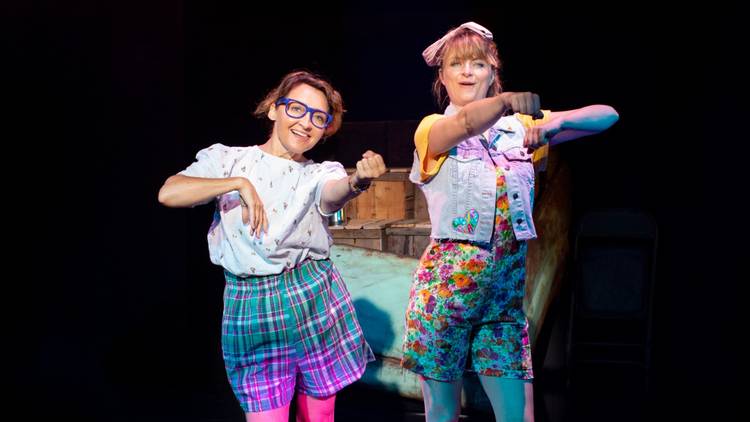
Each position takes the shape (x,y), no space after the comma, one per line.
(520,162)
(520,181)
(469,213)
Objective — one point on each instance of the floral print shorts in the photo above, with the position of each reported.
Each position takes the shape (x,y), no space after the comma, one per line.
(466,307)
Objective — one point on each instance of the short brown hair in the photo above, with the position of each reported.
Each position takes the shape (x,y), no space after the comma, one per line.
(291,80)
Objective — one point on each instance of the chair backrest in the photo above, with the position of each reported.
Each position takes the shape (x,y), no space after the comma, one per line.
(614,277)
(614,255)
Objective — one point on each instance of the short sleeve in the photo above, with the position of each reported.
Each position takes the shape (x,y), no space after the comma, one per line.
(329,170)
(208,162)
(428,167)
(529,121)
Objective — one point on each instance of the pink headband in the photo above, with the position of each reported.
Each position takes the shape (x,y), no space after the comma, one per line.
(431,53)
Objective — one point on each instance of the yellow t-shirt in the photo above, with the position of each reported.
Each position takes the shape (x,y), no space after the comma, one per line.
(428,167)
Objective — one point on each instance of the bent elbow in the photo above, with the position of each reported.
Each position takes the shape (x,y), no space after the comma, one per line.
(465,122)
(164,198)
(612,116)
(166,194)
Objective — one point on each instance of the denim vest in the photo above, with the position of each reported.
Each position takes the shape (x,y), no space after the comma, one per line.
(461,196)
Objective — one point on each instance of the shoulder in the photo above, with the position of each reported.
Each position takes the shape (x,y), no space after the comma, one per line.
(327,167)
(423,129)
(428,121)
(221,152)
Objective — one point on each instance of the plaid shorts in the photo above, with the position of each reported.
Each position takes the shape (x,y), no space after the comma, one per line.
(294,331)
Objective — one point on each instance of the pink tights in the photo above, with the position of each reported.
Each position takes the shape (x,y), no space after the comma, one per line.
(309,409)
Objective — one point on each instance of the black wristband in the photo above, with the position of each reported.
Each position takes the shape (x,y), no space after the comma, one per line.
(358,188)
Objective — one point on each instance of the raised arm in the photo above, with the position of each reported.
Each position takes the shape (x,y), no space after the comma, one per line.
(571,124)
(476,117)
(336,193)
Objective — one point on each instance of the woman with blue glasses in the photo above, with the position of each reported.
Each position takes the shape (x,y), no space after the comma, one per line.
(288,327)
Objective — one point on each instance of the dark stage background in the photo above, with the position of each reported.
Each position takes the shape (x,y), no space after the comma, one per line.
(116,305)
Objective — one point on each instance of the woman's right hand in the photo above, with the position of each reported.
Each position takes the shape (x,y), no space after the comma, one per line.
(253,212)
(523,102)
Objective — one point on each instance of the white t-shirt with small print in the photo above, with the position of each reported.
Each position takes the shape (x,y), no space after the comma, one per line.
(290,192)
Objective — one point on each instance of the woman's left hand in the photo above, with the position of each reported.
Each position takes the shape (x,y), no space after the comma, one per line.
(538,136)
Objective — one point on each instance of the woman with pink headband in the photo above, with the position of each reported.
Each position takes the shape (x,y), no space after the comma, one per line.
(474,164)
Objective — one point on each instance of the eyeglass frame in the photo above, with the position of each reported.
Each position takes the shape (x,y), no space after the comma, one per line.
(308,110)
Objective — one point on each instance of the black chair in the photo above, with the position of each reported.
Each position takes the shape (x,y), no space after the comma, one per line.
(609,337)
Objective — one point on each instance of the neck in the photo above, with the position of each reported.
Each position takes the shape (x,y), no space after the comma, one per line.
(452,108)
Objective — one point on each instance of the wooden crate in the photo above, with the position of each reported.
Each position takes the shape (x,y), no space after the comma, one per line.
(364,233)
(391,196)
(408,237)
(420,205)
(391,216)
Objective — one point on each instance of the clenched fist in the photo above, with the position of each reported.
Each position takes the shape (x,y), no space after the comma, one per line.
(538,136)
(369,167)
(522,102)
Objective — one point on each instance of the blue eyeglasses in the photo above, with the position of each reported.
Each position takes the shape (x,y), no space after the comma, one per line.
(297,109)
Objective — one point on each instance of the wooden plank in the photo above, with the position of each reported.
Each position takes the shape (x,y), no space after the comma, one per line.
(344,241)
(362,205)
(417,245)
(372,224)
(412,223)
(392,199)
(351,209)
(357,233)
(396,244)
(423,224)
(408,231)
(380,223)
(357,223)
(376,244)
(396,174)
(407,222)
(390,221)
(420,205)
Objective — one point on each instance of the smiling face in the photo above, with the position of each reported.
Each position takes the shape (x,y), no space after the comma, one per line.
(466,79)
(292,137)
(468,69)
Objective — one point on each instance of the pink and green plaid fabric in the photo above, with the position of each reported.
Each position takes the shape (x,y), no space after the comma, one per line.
(295,331)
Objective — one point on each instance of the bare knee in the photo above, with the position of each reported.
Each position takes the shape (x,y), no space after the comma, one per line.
(280,414)
(442,400)
(511,399)
(442,411)
(315,409)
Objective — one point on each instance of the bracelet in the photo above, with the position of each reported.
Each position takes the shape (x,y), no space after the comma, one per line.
(358,188)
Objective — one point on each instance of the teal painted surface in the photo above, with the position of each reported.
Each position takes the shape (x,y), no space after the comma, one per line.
(379,284)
